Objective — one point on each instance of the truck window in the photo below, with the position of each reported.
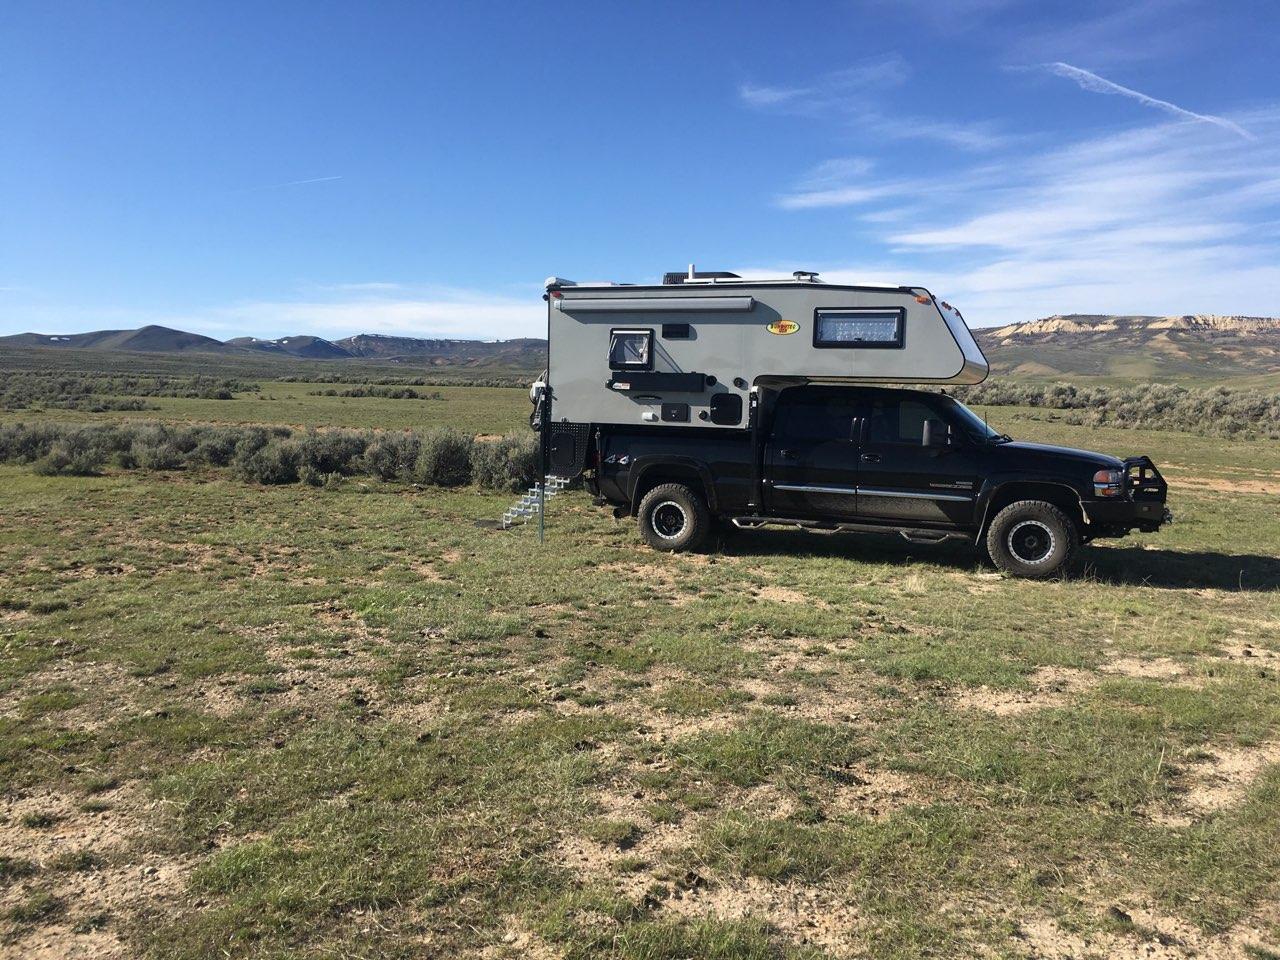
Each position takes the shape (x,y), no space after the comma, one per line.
(899,421)
(630,349)
(816,418)
(854,327)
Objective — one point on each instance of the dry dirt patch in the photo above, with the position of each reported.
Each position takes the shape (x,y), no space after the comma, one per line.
(776,594)
(1219,485)
(1050,687)
(1156,668)
(806,915)
(118,876)
(1152,937)
(875,793)
(1223,778)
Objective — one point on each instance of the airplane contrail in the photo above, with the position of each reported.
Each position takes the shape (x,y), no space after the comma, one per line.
(1096,84)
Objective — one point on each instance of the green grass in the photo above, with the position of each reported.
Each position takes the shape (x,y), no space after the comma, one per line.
(352,721)
(481,410)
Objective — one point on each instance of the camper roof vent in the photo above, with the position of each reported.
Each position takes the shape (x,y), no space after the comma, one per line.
(802,275)
(683,276)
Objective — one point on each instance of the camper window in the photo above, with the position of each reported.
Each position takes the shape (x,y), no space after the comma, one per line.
(630,349)
(851,328)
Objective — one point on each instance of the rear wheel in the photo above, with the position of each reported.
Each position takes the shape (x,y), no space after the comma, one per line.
(673,517)
(1032,539)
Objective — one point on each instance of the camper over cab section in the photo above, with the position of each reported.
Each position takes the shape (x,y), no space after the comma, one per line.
(689,352)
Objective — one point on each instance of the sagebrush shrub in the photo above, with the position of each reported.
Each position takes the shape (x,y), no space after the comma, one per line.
(391,456)
(332,451)
(216,447)
(444,458)
(156,453)
(275,462)
(66,456)
(508,463)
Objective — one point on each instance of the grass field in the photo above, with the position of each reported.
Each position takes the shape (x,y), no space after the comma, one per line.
(478,409)
(295,722)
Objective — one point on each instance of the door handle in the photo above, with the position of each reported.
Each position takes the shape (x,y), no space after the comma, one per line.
(871,458)
(787,454)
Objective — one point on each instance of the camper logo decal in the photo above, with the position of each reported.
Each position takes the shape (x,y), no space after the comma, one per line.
(783,327)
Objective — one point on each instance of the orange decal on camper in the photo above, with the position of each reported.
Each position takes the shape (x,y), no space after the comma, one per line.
(783,327)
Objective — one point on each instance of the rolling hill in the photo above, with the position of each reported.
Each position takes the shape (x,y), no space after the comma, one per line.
(1203,348)
(305,347)
(150,339)
(522,355)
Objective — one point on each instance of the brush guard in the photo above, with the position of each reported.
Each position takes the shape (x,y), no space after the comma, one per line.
(1143,482)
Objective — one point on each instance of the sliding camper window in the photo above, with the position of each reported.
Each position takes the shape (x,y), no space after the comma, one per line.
(630,349)
(853,328)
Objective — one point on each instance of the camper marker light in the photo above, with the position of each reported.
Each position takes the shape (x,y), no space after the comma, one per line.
(921,299)
(557,294)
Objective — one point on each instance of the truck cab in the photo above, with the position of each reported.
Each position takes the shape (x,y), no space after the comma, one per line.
(910,462)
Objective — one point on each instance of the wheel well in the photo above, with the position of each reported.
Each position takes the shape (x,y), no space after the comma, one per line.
(668,473)
(1062,497)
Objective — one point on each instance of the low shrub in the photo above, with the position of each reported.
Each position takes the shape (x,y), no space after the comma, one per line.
(216,447)
(332,451)
(391,456)
(277,461)
(95,393)
(509,463)
(155,447)
(444,458)
(69,458)
(1219,412)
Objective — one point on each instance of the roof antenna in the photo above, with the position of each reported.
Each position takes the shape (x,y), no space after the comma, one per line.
(692,274)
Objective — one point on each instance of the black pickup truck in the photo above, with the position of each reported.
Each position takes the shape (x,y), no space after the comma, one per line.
(911,462)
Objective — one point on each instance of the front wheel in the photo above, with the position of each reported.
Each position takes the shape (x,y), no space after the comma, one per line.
(1032,539)
(673,518)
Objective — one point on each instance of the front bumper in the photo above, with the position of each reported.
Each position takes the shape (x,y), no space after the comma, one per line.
(1127,514)
(1141,508)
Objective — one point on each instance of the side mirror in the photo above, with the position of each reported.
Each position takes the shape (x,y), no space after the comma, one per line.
(936,434)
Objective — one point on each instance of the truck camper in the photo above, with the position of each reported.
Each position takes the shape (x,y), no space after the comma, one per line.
(767,401)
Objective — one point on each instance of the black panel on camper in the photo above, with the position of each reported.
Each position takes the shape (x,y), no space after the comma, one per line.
(726,409)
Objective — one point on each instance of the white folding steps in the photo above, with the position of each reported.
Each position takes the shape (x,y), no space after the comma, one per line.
(529,505)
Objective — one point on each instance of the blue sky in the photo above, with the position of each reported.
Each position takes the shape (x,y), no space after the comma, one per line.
(418,168)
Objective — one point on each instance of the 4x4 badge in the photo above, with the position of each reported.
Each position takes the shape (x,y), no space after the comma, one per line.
(783,327)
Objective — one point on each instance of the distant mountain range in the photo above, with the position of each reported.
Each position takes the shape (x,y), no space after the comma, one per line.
(516,354)
(1203,346)
(1130,347)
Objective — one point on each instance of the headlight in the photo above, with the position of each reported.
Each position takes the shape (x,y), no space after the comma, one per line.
(1108,483)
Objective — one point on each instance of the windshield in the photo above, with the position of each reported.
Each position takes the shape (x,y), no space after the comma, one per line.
(973,424)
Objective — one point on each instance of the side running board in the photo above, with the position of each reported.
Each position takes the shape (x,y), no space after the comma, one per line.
(911,534)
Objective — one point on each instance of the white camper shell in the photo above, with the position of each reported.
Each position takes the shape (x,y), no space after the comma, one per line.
(691,351)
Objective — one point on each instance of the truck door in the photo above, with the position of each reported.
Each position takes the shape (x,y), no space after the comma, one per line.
(901,478)
(811,460)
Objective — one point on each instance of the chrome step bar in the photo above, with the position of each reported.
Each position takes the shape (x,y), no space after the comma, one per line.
(910,534)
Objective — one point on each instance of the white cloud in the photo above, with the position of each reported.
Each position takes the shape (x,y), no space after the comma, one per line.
(417,312)
(1096,84)
(1172,218)
(851,95)
(759,96)
(448,314)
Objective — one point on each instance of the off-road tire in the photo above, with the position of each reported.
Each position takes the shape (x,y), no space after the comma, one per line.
(1032,539)
(673,518)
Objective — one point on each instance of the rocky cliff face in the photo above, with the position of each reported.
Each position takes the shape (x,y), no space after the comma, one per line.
(1069,325)
(1192,345)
